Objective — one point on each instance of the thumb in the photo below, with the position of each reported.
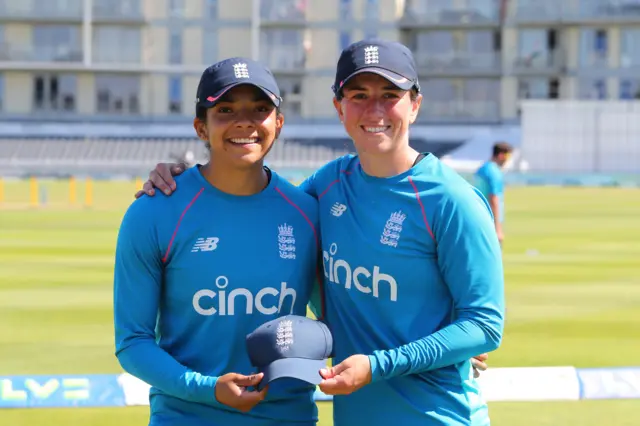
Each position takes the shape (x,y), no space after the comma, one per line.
(328,373)
(178,168)
(247,381)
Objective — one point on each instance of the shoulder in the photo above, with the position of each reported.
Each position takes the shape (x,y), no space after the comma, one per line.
(152,211)
(297,196)
(446,186)
(333,169)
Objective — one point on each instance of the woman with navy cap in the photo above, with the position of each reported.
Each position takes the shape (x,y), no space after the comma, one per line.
(413,269)
(186,291)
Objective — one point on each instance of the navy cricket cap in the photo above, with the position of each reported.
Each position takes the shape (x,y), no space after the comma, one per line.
(223,76)
(291,346)
(389,59)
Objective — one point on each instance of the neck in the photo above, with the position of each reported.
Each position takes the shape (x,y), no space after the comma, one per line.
(389,163)
(234,181)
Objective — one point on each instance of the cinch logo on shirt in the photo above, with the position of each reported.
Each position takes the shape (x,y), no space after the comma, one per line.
(362,279)
(267,301)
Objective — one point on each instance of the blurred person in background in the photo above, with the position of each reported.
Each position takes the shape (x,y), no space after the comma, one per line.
(489,180)
(176,327)
(413,269)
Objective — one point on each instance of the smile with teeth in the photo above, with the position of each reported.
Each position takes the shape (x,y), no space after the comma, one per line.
(244,141)
(378,129)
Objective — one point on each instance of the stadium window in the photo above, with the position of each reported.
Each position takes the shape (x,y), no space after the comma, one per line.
(116,44)
(175,95)
(291,92)
(175,46)
(176,8)
(371,33)
(346,10)
(211,9)
(371,10)
(210,46)
(117,94)
(345,39)
(52,92)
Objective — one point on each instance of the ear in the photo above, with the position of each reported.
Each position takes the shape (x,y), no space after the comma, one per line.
(338,106)
(201,129)
(279,123)
(415,108)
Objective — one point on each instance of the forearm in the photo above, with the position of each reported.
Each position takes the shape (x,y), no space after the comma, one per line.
(494,203)
(144,359)
(455,343)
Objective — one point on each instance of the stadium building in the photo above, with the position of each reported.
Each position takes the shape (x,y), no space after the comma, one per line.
(81,80)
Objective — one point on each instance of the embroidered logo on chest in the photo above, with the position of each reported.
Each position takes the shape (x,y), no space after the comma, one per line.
(286,242)
(392,229)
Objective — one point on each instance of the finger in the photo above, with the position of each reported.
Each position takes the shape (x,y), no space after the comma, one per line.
(479,365)
(176,169)
(148,189)
(139,194)
(476,373)
(164,170)
(482,357)
(158,181)
(247,381)
(327,373)
(333,386)
(251,398)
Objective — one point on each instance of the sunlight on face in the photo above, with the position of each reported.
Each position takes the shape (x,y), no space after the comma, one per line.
(376,114)
(242,127)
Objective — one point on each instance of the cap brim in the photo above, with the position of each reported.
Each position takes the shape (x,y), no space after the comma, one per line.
(213,99)
(307,370)
(392,77)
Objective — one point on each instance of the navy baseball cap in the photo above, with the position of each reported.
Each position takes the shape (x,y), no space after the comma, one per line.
(223,76)
(291,346)
(389,59)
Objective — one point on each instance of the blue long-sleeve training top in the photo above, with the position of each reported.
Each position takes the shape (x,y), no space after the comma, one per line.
(194,274)
(414,279)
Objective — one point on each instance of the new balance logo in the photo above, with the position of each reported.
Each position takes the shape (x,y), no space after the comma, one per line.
(205,244)
(337,209)
(240,70)
(371,55)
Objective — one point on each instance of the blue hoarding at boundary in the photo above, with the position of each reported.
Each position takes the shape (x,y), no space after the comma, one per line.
(119,390)
(61,391)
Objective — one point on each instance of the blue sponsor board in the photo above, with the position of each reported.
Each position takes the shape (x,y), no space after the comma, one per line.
(60,391)
(609,383)
(110,390)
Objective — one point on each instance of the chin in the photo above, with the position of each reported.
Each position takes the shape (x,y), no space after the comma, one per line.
(375,144)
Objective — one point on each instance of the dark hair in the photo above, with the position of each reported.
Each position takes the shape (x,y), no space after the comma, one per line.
(501,148)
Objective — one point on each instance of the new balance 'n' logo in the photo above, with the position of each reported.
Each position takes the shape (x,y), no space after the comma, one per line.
(337,209)
(205,244)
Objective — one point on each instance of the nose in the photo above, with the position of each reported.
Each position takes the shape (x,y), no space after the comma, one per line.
(375,108)
(244,120)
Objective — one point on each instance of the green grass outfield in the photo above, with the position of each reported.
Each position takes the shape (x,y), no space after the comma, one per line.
(572,258)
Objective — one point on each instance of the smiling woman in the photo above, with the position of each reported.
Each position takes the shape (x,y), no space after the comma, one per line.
(237,117)
(175,327)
